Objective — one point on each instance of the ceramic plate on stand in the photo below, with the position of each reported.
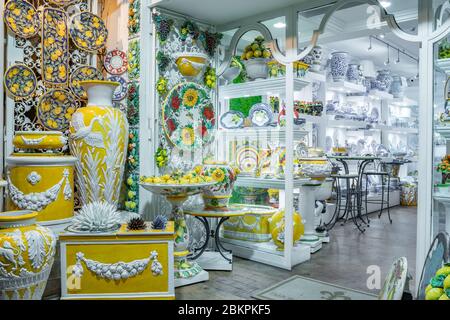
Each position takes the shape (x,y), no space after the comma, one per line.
(21,18)
(116,62)
(247,159)
(261,115)
(88,32)
(232,120)
(20,81)
(121,91)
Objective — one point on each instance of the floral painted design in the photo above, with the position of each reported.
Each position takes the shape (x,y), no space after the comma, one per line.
(81,74)
(134,25)
(189,116)
(55,109)
(20,81)
(88,32)
(55,48)
(134,51)
(21,19)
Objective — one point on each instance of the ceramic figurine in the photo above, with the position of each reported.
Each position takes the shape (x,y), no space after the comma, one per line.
(339,65)
(218,195)
(27,254)
(99,139)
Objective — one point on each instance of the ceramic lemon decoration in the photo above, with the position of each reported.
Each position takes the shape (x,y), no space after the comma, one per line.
(99,139)
(191,64)
(276,227)
(27,253)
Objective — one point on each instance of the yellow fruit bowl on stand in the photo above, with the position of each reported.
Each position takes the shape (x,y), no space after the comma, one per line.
(191,64)
(39,140)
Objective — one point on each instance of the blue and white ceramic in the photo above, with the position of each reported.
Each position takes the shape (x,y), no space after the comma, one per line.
(232,120)
(398,86)
(384,80)
(339,65)
(261,115)
(353,74)
(121,90)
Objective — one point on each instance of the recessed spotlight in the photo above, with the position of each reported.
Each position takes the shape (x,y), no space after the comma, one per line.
(385,4)
(382,36)
(280,25)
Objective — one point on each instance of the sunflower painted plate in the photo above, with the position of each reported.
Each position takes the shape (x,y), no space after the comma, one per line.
(55,109)
(20,81)
(189,117)
(21,18)
(247,159)
(88,32)
(80,74)
(121,91)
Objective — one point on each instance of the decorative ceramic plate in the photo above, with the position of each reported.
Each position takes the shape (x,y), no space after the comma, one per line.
(121,91)
(20,81)
(55,109)
(394,284)
(232,120)
(116,62)
(21,18)
(62,3)
(55,48)
(261,115)
(80,74)
(189,117)
(438,254)
(88,32)
(247,159)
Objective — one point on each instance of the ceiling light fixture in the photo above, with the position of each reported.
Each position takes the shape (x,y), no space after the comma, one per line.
(388,61)
(382,36)
(280,25)
(370,44)
(398,57)
(385,4)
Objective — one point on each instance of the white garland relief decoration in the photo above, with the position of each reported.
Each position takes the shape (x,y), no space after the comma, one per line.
(119,270)
(34,178)
(33,142)
(39,201)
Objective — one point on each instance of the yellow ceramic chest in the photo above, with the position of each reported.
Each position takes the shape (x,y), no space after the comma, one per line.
(43,183)
(254,226)
(135,265)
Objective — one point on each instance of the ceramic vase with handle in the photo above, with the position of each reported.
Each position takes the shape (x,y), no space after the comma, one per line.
(26,256)
(398,86)
(339,65)
(99,139)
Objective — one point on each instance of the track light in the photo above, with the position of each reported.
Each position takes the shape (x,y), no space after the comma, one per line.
(370,44)
(388,61)
(398,57)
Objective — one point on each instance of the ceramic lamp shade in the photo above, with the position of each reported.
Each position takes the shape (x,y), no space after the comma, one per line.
(368,68)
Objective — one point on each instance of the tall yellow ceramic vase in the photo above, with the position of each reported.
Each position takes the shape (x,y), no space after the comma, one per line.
(26,256)
(99,139)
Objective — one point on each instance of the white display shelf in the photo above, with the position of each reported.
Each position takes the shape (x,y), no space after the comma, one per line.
(442,197)
(403,102)
(443,65)
(261,87)
(345,87)
(311,119)
(315,76)
(266,252)
(444,131)
(255,133)
(349,124)
(278,184)
(380,95)
(398,130)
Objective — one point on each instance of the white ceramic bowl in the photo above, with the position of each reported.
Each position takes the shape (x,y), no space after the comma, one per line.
(256,68)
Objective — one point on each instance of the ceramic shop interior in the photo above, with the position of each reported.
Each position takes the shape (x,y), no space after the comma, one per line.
(150,144)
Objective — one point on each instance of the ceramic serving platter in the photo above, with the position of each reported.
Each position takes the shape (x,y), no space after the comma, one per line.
(261,115)
(21,18)
(55,48)
(189,117)
(55,109)
(20,81)
(232,120)
(88,32)
(81,74)
(116,62)
(121,91)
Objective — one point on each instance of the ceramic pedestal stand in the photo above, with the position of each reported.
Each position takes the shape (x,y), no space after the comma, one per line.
(307,205)
(186,272)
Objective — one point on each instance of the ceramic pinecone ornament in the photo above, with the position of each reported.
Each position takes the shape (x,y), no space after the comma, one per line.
(135,224)
(159,223)
(96,217)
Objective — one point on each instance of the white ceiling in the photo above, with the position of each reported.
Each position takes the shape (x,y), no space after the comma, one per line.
(220,12)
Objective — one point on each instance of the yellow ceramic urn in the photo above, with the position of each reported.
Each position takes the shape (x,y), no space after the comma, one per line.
(277,225)
(43,183)
(99,139)
(26,256)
